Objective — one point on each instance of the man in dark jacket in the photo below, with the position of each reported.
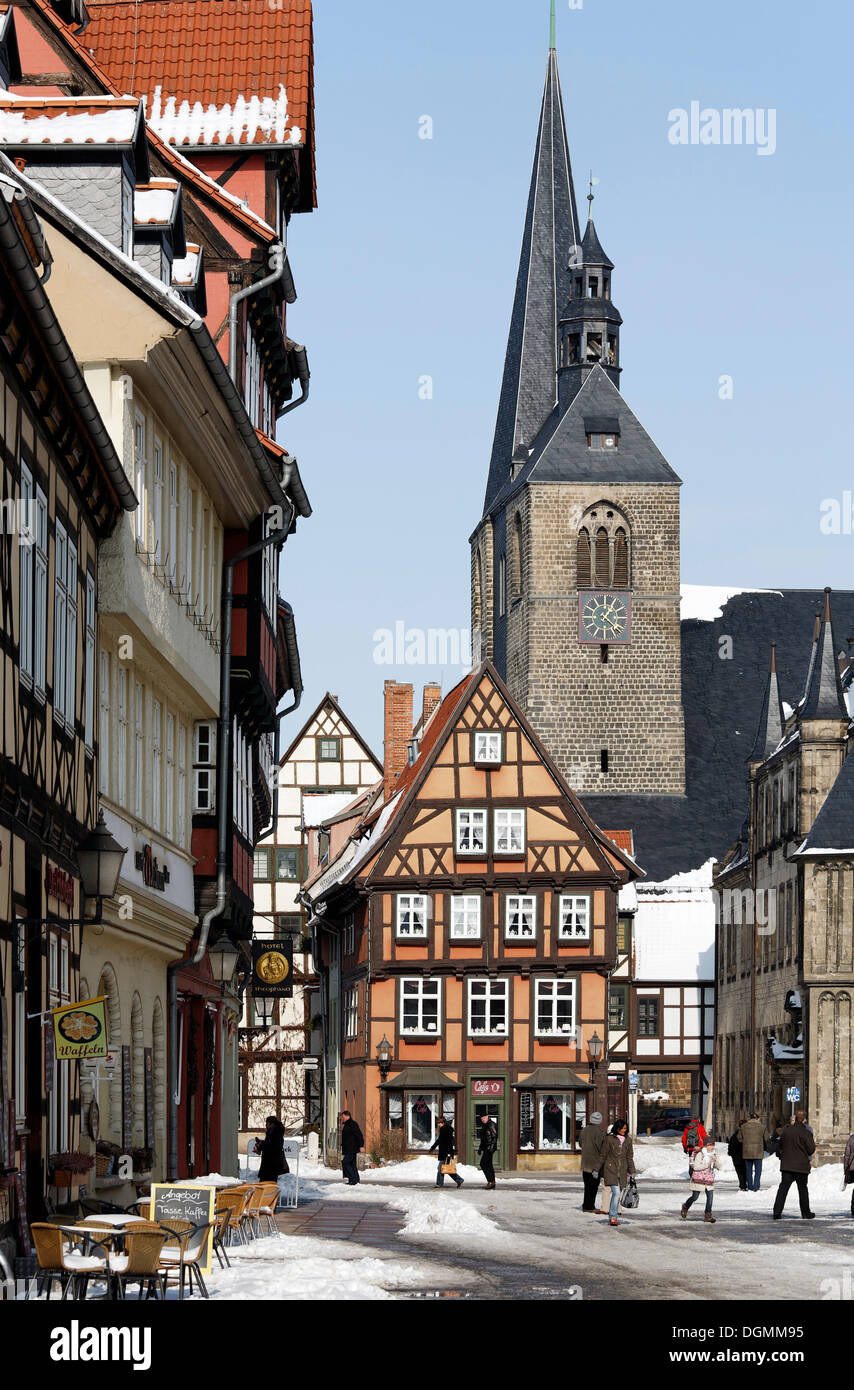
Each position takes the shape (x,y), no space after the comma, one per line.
(272,1151)
(592,1144)
(352,1143)
(752,1135)
(447,1146)
(797,1147)
(488,1145)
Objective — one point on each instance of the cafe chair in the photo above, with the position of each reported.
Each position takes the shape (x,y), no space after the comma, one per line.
(221,1218)
(58,1259)
(183,1252)
(94,1206)
(235,1199)
(266,1207)
(141,1260)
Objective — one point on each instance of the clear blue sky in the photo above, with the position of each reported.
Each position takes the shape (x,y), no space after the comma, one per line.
(727,262)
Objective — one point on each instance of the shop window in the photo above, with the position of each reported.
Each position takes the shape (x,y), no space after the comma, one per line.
(574,918)
(521,917)
(421,1113)
(395,1111)
(527,1127)
(562,1116)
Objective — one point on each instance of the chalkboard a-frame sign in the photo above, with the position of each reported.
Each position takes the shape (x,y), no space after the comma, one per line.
(172,1202)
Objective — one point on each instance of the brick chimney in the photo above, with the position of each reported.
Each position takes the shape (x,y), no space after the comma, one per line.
(432,699)
(397,731)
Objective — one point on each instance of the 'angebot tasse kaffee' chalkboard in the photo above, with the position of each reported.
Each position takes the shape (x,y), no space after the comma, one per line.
(174,1202)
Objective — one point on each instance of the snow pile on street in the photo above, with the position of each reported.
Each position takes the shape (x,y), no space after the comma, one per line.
(211,1180)
(307,1268)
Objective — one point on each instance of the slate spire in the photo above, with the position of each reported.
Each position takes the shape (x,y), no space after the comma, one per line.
(824,698)
(770,731)
(529,386)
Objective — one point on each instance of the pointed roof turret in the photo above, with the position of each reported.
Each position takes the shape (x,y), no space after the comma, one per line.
(592,249)
(529,386)
(823,698)
(770,731)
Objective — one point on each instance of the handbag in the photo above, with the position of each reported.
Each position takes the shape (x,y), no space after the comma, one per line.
(450,1167)
(704,1176)
(630,1197)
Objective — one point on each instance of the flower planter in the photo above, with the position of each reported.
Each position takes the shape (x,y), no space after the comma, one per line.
(62,1177)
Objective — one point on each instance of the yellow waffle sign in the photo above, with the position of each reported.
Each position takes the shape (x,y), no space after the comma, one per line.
(80,1030)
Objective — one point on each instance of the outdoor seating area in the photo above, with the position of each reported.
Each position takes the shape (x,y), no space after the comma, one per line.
(107,1252)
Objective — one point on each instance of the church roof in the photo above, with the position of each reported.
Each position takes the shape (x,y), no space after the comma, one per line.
(833,827)
(592,248)
(770,730)
(529,386)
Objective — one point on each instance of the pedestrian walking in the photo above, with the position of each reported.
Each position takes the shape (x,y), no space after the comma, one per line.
(272,1150)
(693,1138)
(753,1136)
(592,1144)
(736,1153)
(618,1165)
(706,1167)
(352,1143)
(797,1147)
(488,1145)
(848,1167)
(446,1145)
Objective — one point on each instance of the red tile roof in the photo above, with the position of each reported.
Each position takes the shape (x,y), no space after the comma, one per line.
(227,60)
(623,839)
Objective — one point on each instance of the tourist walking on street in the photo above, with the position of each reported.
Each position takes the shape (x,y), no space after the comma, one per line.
(592,1144)
(488,1145)
(352,1143)
(447,1147)
(736,1153)
(848,1167)
(797,1147)
(706,1167)
(753,1134)
(618,1165)
(694,1138)
(272,1150)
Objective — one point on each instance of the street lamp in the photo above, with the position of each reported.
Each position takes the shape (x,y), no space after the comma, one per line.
(384,1056)
(99,859)
(223,956)
(594,1049)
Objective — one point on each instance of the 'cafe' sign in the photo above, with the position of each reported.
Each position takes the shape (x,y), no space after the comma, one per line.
(152,874)
(60,885)
(487,1088)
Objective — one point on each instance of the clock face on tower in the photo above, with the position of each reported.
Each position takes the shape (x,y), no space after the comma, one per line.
(605,616)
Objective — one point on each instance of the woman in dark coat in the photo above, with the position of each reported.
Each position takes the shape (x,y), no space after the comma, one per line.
(848,1167)
(618,1165)
(446,1145)
(736,1153)
(272,1151)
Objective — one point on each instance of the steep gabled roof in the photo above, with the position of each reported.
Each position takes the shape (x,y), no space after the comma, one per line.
(529,386)
(823,698)
(330,701)
(592,249)
(770,730)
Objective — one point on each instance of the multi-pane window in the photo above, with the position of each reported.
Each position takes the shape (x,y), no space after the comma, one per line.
(156,762)
(329,750)
(487,748)
(351,1012)
(182,786)
(618,1007)
(465,917)
(521,916)
(172,541)
(488,1006)
(169,808)
(412,914)
(65,627)
(574,917)
(33,582)
(139,745)
(242,782)
(420,1001)
(558,1110)
(421,1116)
(157,503)
(648,1016)
(122,734)
(25,646)
(189,550)
(509,832)
(203,776)
(269,574)
(555,1007)
(89,676)
(261,866)
(287,865)
(59,992)
(140,466)
(471,832)
(104,725)
(40,596)
(624,934)
(203,564)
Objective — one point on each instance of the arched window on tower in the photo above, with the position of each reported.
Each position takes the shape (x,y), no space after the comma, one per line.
(516,558)
(477,594)
(621,559)
(584,574)
(603,559)
(603,549)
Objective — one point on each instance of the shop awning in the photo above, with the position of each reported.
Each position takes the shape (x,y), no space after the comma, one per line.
(421,1079)
(552,1079)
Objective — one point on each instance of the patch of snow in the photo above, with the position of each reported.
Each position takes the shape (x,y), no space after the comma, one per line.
(316,809)
(153,206)
(210,1180)
(185,269)
(707,601)
(251,117)
(67,126)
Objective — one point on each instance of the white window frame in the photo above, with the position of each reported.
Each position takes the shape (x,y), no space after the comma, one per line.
(510,830)
(489,992)
(172,556)
(577,908)
(104,725)
(140,458)
(122,725)
(525,904)
(40,597)
(270,575)
(241,781)
(71,636)
(412,905)
(351,1012)
(26,582)
(189,548)
(547,990)
(157,501)
(204,752)
(89,677)
(426,991)
(127,216)
(203,563)
(465,818)
(569,1109)
(181,792)
(139,749)
(487,747)
(169,805)
(156,761)
(462,906)
(60,619)
(434,1099)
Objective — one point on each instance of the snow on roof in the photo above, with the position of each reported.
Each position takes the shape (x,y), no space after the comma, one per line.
(185,269)
(155,203)
(66,121)
(321,807)
(781,1053)
(240,122)
(692,881)
(706,601)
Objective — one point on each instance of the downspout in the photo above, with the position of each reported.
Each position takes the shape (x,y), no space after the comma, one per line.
(277,538)
(276,258)
(304,376)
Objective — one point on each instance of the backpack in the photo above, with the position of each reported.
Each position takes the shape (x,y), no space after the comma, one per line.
(692,1138)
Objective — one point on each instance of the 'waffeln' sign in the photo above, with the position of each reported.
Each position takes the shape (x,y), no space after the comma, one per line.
(80,1030)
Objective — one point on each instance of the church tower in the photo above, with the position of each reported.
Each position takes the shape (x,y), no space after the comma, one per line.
(575,561)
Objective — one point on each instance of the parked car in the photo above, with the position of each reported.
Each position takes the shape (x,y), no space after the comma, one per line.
(676,1118)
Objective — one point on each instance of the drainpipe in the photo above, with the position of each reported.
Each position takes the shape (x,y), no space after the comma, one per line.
(277,538)
(303,374)
(276,258)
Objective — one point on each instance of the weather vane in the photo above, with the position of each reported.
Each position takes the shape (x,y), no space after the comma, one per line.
(553,40)
(594,183)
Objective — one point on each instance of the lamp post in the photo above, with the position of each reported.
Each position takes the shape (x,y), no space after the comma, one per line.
(99,859)
(223,956)
(384,1056)
(594,1050)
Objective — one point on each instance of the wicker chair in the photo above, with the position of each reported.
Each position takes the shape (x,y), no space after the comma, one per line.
(59,1260)
(236,1200)
(221,1219)
(142,1260)
(266,1207)
(183,1252)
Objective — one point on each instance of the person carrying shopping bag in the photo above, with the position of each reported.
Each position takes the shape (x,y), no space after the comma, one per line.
(618,1165)
(706,1166)
(447,1147)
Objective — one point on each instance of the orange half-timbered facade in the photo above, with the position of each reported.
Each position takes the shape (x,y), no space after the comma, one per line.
(469,920)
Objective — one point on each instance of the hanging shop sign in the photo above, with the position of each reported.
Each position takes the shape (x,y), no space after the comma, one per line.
(60,885)
(127,1099)
(153,876)
(272,969)
(80,1030)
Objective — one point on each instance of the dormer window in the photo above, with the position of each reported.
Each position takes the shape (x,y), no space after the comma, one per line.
(127,216)
(487,749)
(606,287)
(593,287)
(579,286)
(602,441)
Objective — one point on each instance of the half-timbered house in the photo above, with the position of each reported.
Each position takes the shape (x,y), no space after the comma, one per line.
(470,916)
